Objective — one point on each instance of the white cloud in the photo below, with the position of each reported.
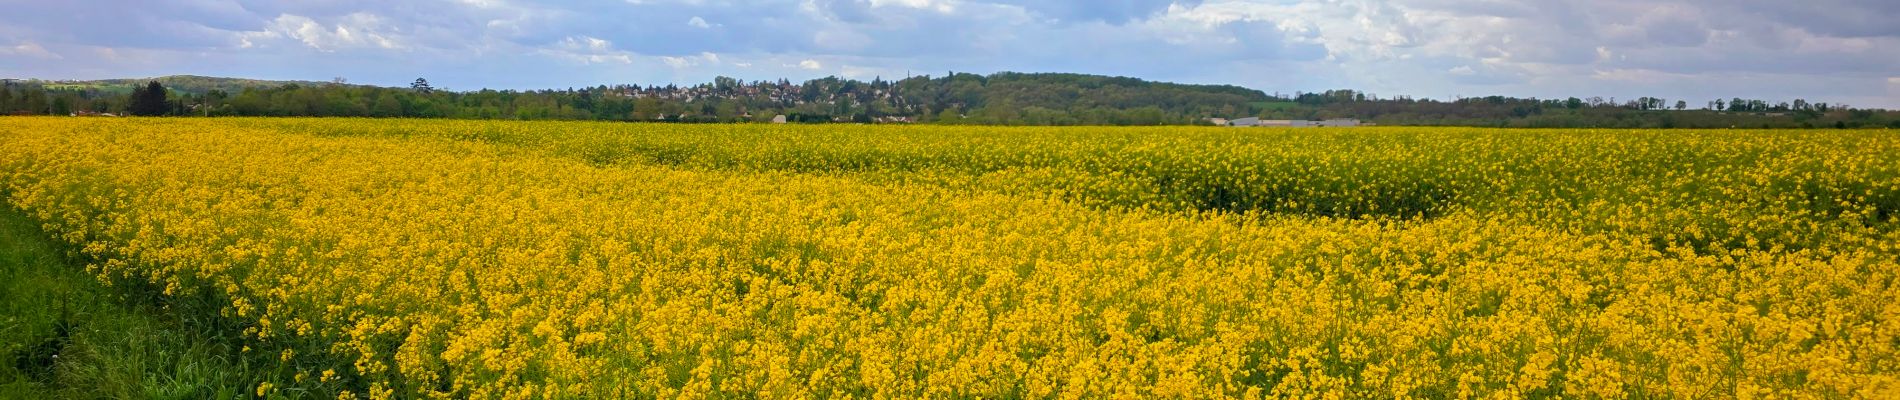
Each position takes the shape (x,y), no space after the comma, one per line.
(483,3)
(681,62)
(859,73)
(698,22)
(30,49)
(1637,75)
(1461,70)
(940,6)
(353,31)
(587,50)
(810,64)
(1352,30)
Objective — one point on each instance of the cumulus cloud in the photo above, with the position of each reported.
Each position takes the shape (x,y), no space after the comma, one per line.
(356,30)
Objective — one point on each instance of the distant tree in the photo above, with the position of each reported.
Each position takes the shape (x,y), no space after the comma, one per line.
(422,85)
(62,106)
(33,102)
(148,101)
(646,109)
(387,106)
(1681,105)
(949,116)
(134,101)
(725,84)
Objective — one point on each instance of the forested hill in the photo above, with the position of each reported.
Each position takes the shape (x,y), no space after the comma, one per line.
(1006,98)
(185,84)
(1003,98)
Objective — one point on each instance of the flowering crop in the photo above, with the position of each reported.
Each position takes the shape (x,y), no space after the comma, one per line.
(498,259)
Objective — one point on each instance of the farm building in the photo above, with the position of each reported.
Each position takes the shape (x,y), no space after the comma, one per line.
(1294,123)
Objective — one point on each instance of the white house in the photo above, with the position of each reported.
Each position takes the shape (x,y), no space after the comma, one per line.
(1296,123)
(1287,123)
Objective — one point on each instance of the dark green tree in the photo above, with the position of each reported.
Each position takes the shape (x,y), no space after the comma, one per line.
(148,101)
(62,106)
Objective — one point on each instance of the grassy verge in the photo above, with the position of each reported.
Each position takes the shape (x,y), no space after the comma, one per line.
(65,335)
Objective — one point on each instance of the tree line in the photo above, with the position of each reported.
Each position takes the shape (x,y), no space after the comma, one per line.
(955,98)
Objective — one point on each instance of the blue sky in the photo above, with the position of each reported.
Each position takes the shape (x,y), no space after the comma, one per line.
(1824,50)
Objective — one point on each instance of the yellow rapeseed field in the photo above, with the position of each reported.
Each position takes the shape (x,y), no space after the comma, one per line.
(484,259)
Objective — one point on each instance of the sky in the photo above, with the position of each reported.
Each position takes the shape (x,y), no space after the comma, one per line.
(1838,51)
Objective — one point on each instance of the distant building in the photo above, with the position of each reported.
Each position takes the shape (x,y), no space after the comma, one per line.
(778,119)
(1295,123)
(1217,121)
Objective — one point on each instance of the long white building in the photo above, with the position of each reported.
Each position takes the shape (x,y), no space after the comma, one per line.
(1293,123)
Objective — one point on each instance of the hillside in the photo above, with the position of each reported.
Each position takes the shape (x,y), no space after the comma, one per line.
(189,84)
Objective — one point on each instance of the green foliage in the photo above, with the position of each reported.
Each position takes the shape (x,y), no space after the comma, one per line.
(64,335)
(148,101)
(180,84)
(999,99)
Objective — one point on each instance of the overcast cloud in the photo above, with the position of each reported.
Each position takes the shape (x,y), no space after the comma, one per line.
(1825,50)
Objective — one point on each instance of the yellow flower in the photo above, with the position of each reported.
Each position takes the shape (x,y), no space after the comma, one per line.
(484,259)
